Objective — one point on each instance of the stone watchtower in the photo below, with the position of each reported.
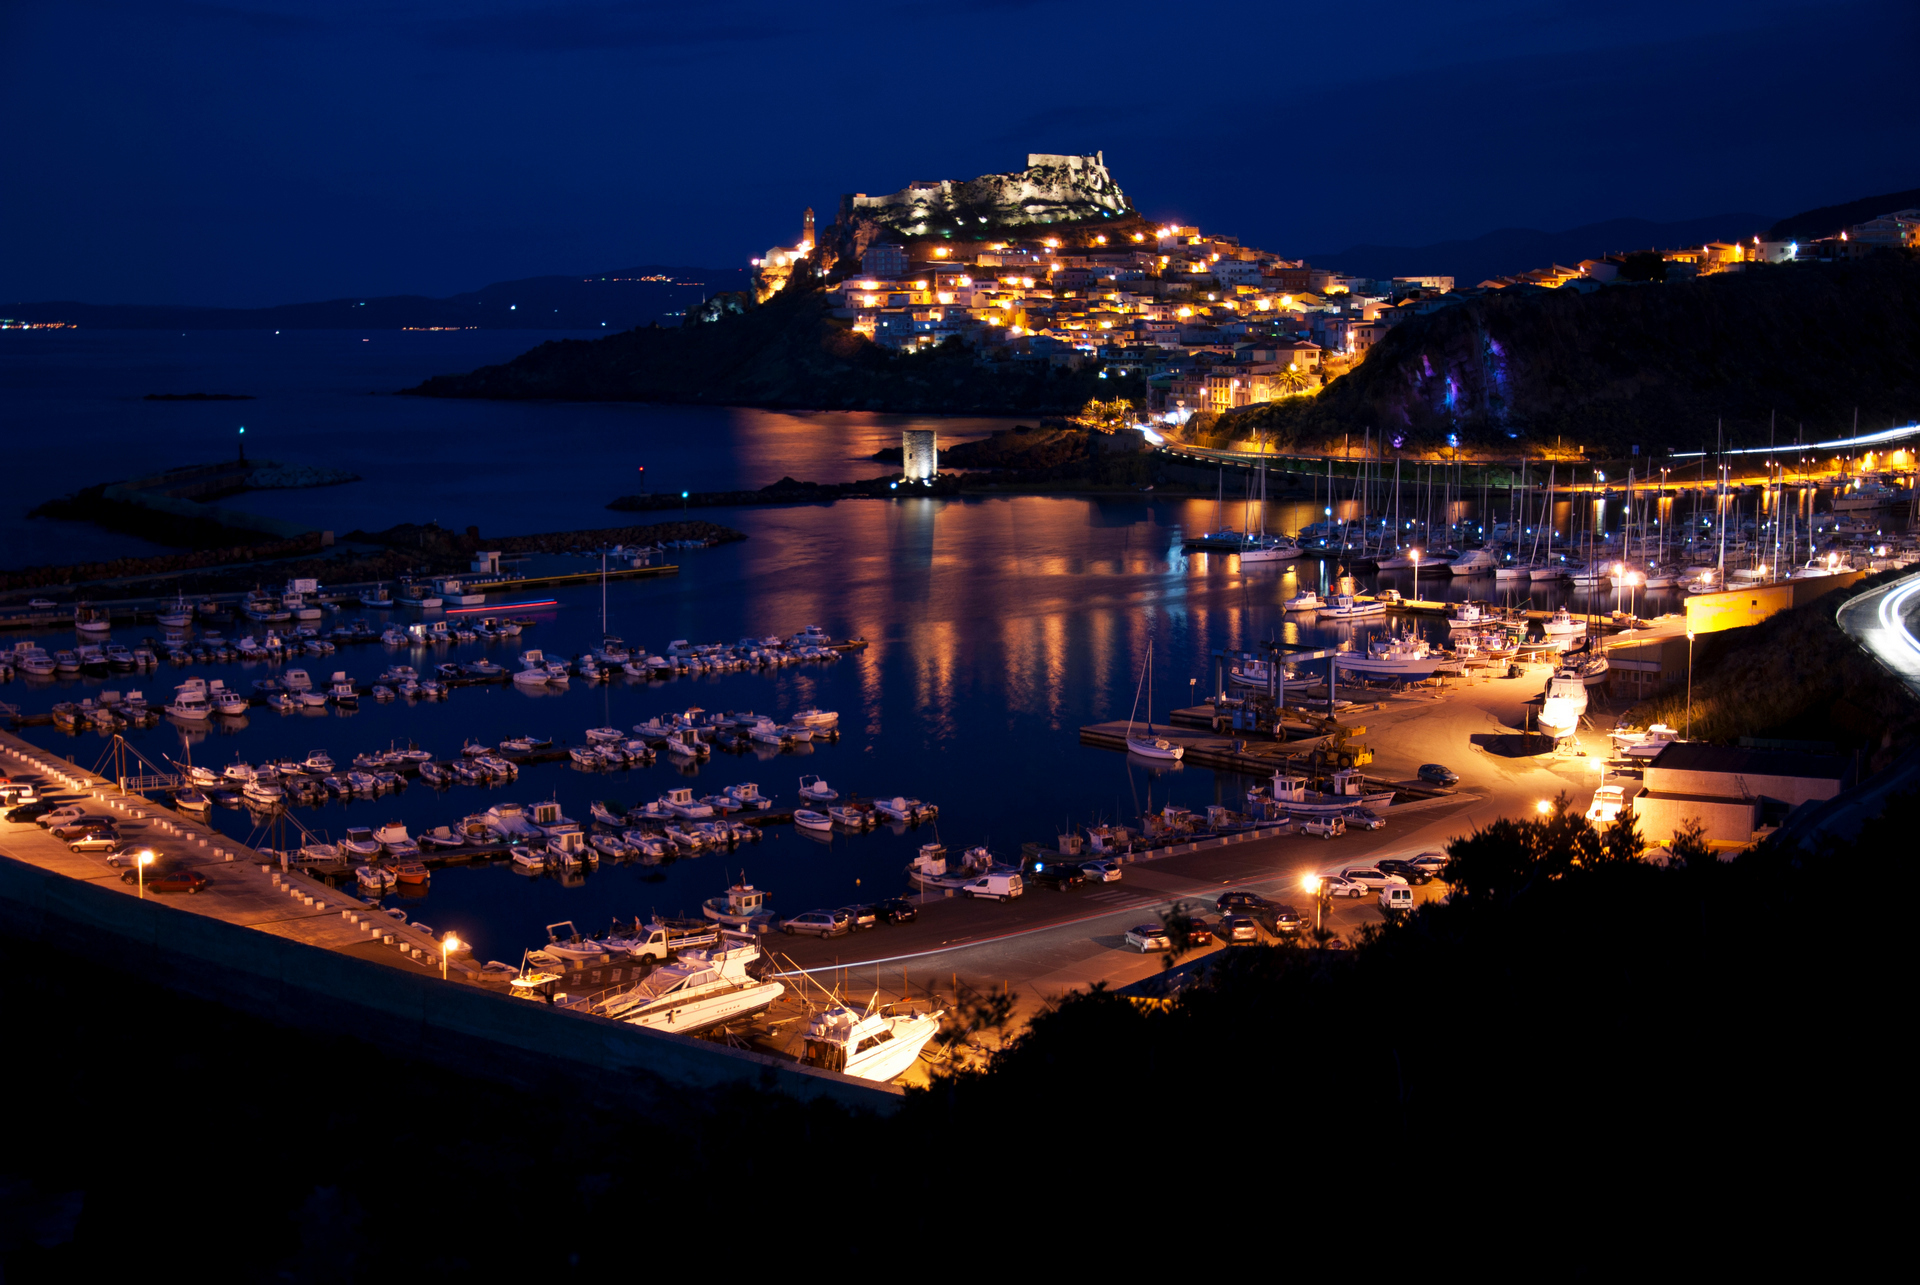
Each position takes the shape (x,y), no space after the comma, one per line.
(806,230)
(920,454)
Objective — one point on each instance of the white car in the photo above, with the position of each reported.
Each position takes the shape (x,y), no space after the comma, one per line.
(1371,877)
(1609,801)
(1101,871)
(1341,886)
(60,816)
(1149,938)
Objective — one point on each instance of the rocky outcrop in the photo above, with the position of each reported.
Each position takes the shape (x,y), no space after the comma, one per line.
(1653,366)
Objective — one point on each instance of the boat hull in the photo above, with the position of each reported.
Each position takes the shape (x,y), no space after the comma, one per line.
(708,1010)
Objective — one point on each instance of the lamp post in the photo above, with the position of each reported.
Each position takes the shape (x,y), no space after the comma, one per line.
(447,947)
(140,863)
(1312,884)
(1416,575)
(1689,684)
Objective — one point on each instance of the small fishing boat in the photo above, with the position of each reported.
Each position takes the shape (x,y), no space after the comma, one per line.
(816,789)
(741,907)
(807,819)
(854,818)
(527,858)
(747,795)
(360,842)
(374,879)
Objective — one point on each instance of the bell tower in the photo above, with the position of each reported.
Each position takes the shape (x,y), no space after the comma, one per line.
(806,231)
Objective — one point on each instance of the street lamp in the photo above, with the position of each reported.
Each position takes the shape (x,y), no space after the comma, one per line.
(141,861)
(1312,884)
(1416,575)
(1689,684)
(447,947)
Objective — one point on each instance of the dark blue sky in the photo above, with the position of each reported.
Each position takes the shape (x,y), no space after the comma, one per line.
(265,151)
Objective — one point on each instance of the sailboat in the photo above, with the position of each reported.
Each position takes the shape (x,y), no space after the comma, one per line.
(1261,547)
(1149,746)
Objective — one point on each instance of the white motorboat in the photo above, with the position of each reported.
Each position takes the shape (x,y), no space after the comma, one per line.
(1566,701)
(417,595)
(874,1045)
(807,819)
(374,879)
(816,790)
(509,821)
(226,700)
(1346,606)
(190,701)
(899,808)
(1305,600)
(527,858)
(747,795)
(360,842)
(297,680)
(1270,549)
(177,615)
(1468,615)
(1474,562)
(685,742)
(854,818)
(192,800)
(343,691)
(261,790)
(1647,744)
(395,841)
(681,803)
(1563,624)
(815,717)
(89,619)
(571,944)
(1405,658)
(598,736)
(380,598)
(698,989)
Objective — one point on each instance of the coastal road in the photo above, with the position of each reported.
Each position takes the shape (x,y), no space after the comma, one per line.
(1879,621)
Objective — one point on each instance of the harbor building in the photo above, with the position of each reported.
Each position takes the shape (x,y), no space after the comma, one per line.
(920,454)
(1731,790)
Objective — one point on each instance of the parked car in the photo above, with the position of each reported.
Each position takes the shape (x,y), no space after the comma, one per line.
(1405,869)
(94,841)
(1001,887)
(14,794)
(859,916)
(1238,928)
(1373,878)
(1341,886)
(1241,900)
(821,923)
(1396,898)
(1199,932)
(65,812)
(895,910)
(78,826)
(1149,938)
(1105,870)
(1061,875)
(31,811)
(1434,863)
(168,879)
(1439,774)
(1282,920)
(1361,819)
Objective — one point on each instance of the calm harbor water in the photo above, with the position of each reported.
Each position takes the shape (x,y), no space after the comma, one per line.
(998,627)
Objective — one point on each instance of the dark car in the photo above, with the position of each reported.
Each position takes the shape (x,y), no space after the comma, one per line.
(1060,874)
(895,910)
(32,811)
(73,829)
(172,879)
(1199,932)
(1282,919)
(859,916)
(1438,773)
(1405,869)
(1241,901)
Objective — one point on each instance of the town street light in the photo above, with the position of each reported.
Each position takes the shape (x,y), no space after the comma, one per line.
(1313,886)
(141,861)
(447,947)
(1416,575)
(1689,684)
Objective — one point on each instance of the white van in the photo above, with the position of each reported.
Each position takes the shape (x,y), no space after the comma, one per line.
(1000,887)
(1396,897)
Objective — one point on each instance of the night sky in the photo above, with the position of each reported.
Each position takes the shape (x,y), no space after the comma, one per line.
(250,153)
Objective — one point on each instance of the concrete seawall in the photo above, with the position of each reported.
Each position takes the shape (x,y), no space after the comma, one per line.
(462,1028)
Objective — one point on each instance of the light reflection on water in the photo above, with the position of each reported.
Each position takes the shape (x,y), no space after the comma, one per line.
(998,627)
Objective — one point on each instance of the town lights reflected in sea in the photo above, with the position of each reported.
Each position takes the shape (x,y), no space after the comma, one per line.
(997,627)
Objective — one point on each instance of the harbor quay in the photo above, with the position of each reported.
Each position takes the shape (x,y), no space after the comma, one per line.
(262,938)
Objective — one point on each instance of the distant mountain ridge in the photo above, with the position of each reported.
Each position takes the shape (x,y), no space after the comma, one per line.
(618,299)
(1829,219)
(1507,251)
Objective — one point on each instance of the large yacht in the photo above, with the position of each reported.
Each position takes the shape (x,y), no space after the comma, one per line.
(873,1045)
(700,988)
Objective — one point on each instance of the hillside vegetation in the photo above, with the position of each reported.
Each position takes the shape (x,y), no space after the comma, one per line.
(788,352)
(1647,365)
